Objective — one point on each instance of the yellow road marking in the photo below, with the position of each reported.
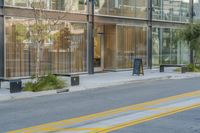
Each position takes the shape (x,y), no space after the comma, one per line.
(145,119)
(55,126)
(82,129)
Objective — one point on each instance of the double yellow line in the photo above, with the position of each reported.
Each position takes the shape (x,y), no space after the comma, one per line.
(145,119)
(57,126)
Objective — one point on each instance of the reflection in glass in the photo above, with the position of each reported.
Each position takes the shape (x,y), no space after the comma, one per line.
(131,43)
(67,5)
(128,8)
(196,10)
(167,49)
(156,38)
(171,10)
(63,52)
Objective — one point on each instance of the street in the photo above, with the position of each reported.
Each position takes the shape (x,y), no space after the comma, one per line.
(182,117)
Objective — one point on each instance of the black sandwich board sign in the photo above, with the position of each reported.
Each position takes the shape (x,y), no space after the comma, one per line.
(138,67)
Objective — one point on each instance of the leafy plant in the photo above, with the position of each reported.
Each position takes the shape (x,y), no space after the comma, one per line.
(29,86)
(193,68)
(49,82)
(191,34)
(177,70)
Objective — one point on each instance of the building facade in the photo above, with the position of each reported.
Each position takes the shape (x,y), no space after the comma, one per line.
(94,35)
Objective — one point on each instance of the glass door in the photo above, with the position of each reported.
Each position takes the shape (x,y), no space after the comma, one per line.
(98,50)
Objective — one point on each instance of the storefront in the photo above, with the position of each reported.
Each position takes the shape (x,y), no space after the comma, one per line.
(121,34)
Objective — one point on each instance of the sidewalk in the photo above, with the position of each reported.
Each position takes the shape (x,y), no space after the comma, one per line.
(101,80)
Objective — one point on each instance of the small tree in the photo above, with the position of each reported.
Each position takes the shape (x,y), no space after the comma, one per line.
(191,34)
(39,32)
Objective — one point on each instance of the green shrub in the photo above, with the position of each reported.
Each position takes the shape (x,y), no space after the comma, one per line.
(29,86)
(193,68)
(190,68)
(49,82)
(177,70)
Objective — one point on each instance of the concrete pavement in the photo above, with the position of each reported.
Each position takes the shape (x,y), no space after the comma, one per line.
(100,80)
(124,77)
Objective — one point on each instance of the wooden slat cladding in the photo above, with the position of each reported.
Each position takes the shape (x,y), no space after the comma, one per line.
(110,47)
(131,43)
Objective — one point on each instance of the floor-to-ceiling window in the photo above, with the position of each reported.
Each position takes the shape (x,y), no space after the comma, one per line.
(110,47)
(171,10)
(128,8)
(123,44)
(167,48)
(63,51)
(196,13)
(156,38)
(131,43)
(79,6)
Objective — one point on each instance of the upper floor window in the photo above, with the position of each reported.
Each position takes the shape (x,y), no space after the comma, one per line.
(64,5)
(171,10)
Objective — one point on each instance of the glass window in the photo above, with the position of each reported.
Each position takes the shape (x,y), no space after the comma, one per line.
(196,10)
(131,43)
(68,5)
(110,47)
(167,49)
(63,51)
(156,46)
(128,8)
(171,10)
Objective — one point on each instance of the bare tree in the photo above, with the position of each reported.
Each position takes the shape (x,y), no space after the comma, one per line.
(41,28)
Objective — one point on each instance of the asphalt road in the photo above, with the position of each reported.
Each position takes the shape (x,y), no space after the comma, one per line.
(34,111)
(184,122)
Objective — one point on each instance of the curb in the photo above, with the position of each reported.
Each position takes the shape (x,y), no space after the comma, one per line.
(118,83)
(5,98)
(24,95)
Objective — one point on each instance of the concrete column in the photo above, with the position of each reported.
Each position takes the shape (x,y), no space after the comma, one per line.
(149,44)
(90,37)
(2,57)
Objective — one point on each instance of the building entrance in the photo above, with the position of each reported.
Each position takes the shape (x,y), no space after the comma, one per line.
(99,49)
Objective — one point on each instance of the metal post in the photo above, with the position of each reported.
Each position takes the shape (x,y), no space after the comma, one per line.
(160,31)
(29,59)
(90,42)
(191,10)
(191,21)
(2,45)
(149,45)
